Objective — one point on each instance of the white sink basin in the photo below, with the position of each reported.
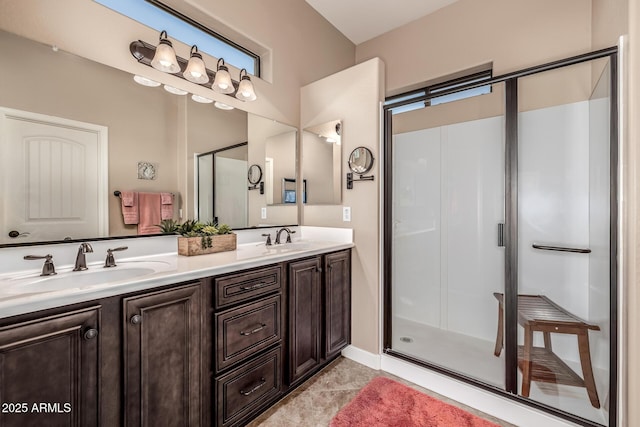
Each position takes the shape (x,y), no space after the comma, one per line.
(95,275)
(260,249)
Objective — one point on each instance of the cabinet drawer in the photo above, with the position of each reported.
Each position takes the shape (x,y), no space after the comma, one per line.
(237,287)
(244,330)
(246,389)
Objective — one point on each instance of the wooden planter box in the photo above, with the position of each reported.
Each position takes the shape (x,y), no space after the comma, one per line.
(189,246)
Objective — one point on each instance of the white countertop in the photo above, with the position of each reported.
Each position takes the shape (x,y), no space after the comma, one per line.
(168,268)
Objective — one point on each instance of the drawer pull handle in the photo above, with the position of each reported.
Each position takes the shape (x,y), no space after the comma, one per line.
(260,384)
(253,331)
(252,287)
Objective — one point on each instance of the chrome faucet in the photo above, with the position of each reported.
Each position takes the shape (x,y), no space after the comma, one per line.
(110,261)
(81,259)
(48,269)
(289,233)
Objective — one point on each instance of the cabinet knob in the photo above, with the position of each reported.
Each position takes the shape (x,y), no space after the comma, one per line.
(90,334)
(135,319)
(319,270)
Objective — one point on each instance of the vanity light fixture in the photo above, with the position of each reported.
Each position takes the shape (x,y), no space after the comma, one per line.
(175,90)
(144,81)
(201,99)
(222,82)
(165,57)
(245,88)
(193,70)
(196,71)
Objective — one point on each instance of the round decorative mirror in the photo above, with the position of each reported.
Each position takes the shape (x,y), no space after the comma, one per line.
(361,160)
(255,174)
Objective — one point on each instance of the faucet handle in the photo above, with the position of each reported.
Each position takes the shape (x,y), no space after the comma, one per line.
(289,235)
(48,269)
(268,236)
(110,261)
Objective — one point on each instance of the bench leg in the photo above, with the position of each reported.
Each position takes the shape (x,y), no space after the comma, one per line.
(499,336)
(587,371)
(527,362)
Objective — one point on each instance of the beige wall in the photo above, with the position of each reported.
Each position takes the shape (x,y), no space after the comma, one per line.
(353,96)
(301,45)
(512,34)
(282,149)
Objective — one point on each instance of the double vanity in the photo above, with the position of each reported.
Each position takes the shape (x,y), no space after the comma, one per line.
(162,339)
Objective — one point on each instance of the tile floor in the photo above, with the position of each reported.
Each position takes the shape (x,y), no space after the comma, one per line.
(314,403)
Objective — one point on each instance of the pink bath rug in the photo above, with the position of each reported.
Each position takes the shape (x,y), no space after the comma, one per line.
(387,403)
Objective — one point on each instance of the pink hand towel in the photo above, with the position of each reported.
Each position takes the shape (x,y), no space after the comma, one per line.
(150,216)
(129,202)
(166,207)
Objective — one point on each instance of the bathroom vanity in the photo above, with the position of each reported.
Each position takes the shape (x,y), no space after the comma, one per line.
(212,345)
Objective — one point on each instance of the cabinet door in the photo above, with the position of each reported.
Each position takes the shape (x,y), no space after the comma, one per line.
(305,321)
(162,363)
(337,299)
(49,371)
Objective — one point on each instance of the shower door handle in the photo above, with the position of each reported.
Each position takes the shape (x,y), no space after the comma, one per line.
(501,235)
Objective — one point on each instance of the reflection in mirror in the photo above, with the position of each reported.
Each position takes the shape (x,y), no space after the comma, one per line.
(361,160)
(280,165)
(254,176)
(322,163)
(221,186)
(144,124)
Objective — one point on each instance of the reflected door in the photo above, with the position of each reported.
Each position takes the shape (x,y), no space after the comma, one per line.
(53,179)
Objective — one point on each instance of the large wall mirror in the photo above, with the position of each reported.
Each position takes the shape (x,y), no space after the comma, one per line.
(147,125)
(322,163)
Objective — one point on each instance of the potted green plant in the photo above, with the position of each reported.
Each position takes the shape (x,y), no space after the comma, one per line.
(198,238)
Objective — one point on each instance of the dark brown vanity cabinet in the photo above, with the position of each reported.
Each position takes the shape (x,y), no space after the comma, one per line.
(337,302)
(162,357)
(248,333)
(319,303)
(49,370)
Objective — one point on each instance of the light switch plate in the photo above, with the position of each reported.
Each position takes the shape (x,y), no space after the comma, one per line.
(263,213)
(346,213)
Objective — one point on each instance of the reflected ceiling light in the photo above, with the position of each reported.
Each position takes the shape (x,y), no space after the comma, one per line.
(201,99)
(144,81)
(196,71)
(222,106)
(165,57)
(245,88)
(175,90)
(222,82)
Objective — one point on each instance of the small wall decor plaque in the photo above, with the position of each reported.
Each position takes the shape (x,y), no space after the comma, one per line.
(147,170)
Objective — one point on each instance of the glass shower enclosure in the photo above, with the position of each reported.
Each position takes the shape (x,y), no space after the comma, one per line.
(500,235)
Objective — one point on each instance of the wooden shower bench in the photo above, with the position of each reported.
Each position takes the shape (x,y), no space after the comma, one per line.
(537,313)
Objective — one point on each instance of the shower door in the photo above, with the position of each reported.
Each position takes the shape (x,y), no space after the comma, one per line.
(563,232)
(447,212)
(501,236)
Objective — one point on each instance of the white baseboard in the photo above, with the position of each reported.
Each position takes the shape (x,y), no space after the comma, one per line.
(474,397)
(363,357)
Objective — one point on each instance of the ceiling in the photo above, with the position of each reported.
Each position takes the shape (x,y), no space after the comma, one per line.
(362,20)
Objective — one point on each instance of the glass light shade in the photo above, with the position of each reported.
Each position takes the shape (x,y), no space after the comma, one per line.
(201,99)
(145,81)
(222,106)
(175,90)
(196,71)
(245,90)
(222,82)
(165,58)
